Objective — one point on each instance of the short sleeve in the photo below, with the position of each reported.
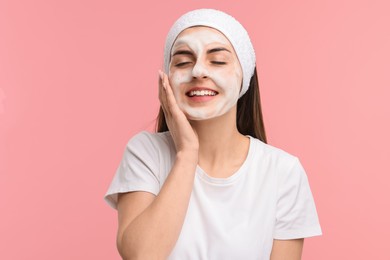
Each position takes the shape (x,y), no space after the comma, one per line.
(137,171)
(296,214)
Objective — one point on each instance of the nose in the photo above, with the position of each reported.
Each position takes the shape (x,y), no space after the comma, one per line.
(200,70)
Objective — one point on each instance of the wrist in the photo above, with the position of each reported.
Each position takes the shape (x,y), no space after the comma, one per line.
(188,156)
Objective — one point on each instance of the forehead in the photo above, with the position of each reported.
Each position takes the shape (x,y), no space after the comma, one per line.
(201,34)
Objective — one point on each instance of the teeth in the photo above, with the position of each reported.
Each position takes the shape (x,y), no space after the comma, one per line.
(202,93)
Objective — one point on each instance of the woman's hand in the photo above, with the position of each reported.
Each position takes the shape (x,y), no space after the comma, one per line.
(141,213)
(184,136)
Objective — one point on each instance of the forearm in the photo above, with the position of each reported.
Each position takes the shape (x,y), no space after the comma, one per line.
(153,233)
(287,249)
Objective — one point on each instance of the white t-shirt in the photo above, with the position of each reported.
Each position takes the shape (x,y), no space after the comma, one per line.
(228,218)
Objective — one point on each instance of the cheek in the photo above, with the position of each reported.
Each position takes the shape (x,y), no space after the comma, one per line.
(238,80)
(177,78)
(229,81)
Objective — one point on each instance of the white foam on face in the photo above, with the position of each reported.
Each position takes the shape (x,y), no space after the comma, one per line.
(225,79)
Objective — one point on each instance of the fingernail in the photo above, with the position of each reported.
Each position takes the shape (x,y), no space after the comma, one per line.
(161,74)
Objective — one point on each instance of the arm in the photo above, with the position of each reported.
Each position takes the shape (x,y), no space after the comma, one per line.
(149,225)
(296,215)
(287,249)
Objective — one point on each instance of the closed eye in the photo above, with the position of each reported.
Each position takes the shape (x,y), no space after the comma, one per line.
(218,62)
(182,64)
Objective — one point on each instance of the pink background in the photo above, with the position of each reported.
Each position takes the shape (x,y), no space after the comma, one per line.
(79,78)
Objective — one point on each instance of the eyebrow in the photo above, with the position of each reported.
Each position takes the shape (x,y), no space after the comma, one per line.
(185,52)
(217,49)
(182,52)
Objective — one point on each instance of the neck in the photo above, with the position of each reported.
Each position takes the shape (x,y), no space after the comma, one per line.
(220,142)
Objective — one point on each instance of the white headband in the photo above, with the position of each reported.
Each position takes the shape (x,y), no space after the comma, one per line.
(226,24)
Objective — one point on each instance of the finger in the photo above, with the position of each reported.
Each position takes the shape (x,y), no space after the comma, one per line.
(161,74)
(164,101)
(172,104)
(160,82)
(161,89)
(161,92)
(162,95)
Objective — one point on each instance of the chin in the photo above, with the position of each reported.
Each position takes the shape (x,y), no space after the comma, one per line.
(197,118)
(200,116)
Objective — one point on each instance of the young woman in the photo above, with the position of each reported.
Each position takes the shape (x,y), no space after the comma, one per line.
(207,186)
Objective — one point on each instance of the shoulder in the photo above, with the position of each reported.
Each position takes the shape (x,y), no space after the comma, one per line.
(155,141)
(285,167)
(274,156)
(150,147)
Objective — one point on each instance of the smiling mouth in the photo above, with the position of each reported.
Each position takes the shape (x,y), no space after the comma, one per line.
(201,93)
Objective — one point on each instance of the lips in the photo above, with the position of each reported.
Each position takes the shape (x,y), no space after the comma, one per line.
(201,92)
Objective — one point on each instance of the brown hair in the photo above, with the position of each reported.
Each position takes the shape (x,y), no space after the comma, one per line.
(249,114)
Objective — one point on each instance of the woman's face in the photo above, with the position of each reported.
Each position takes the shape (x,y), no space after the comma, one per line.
(205,73)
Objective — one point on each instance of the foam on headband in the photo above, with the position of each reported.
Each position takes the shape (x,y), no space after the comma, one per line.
(226,24)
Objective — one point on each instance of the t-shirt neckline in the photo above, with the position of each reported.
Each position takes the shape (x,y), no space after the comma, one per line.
(232,178)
